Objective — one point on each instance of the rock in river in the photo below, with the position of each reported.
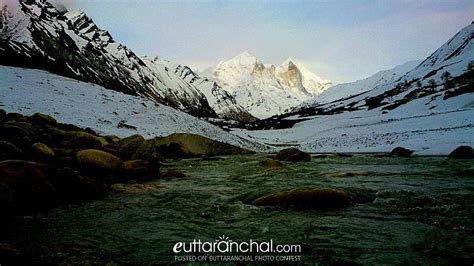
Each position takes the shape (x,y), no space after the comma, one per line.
(293,155)
(401,152)
(462,152)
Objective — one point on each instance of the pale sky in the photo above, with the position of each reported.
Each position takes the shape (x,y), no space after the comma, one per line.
(338,40)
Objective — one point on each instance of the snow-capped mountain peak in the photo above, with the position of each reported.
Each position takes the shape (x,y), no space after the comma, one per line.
(265,89)
(244,58)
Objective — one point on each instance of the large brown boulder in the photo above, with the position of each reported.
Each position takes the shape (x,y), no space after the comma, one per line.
(82,139)
(401,152)
(16,117)
(293,155)
(42,151)
(134,148)
(28,127)
(23,182)
(42,119)
(307,198)
(98,162)
(16,135)
(462,152)
(191,145)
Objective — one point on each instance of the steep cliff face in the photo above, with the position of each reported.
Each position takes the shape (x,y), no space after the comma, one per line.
(265,89)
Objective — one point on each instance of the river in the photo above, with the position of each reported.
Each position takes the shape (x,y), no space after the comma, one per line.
(417,210)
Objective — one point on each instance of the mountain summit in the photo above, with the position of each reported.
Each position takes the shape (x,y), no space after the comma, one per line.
(265,89)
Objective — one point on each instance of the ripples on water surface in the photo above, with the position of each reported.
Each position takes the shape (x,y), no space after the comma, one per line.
(408,211)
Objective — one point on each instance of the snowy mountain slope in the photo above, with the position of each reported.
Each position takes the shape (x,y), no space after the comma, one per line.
(70,44)
(28,91)
(344,90)
(178,76)
(264,89)
(426,109)
(425,80)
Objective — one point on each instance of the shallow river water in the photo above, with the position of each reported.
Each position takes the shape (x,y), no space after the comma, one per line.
(416,210)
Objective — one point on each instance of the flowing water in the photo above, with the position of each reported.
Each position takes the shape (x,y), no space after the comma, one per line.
(416,210)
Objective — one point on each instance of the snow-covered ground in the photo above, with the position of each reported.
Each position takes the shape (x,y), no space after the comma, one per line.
(28,91)
(414,126)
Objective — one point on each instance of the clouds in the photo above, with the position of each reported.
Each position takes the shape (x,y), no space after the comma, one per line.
(339,40)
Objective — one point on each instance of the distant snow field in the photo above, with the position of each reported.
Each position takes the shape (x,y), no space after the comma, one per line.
(426,133)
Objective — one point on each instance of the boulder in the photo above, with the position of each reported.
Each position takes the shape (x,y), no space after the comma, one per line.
(293,155)
(271,163)
(307,198)
(111,138)
(401,152)
(98,162)
(172,150)
(136,169)
(25,181)
(15,135)
(172,173)
(55,134)
(135,148)
(16,117)
(28,127)
(42,150)
(42,119)
(462,152)
(184,145)
(81,139)
(9,151)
